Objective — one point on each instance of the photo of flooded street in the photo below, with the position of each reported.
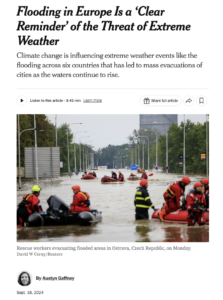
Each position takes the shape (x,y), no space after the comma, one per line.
(116,201)
(140,178)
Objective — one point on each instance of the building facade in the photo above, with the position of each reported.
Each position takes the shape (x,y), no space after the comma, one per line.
(158,123)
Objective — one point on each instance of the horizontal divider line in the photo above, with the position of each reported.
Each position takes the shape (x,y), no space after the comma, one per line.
(112,88)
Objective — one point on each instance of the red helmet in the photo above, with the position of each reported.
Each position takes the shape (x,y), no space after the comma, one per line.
(197,184)
(143,182)
(205,181)
(76,187)
(186,180)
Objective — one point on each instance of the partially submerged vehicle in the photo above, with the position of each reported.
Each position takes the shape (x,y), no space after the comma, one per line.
(58,213)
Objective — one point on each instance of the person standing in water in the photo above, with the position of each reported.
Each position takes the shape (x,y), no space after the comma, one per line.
(142,201)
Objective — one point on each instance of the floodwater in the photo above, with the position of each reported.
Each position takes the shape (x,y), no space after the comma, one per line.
(116,201)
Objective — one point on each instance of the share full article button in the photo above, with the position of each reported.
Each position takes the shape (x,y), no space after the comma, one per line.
(160,100)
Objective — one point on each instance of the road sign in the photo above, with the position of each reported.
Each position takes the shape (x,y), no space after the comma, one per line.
(180,161)
(156,168)
(203,156)
(45,175)
(70,174)
(167,168)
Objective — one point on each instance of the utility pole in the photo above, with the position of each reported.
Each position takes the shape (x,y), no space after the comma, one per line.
(19,153)
(36,150)
(68,159)
(148,150)
(136,155)
(166,149)
(56,128)
(207,150)
(156,150)
(75,163)
(184,171)
(80,155)
(143,155)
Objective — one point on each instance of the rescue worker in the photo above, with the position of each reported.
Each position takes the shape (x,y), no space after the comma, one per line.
(114,175)
(172,197)
(132,175)
(121,176)
(205,183)
(142,201)
(81,200)
(144,175)
(196,204)
(94,174)
(205,190)
(85,173)
(28,206)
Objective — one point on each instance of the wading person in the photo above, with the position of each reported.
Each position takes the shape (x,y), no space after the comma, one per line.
(172,197)
(24,279)
(196,204)
(81,200)
(142,201)
(28,206)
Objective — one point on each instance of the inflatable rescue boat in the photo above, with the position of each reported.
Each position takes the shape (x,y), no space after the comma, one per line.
(88,177)
(110,179)
(133,177)
(179,217)
(59,213)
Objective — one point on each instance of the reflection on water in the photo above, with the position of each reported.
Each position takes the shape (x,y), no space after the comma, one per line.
(143,233)
(69,233)
(116,201)
(187,234)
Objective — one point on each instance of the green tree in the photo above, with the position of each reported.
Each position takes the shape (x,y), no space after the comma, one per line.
(195,145)
(45,138)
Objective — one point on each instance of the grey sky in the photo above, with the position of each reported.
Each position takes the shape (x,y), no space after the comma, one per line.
(107,129)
